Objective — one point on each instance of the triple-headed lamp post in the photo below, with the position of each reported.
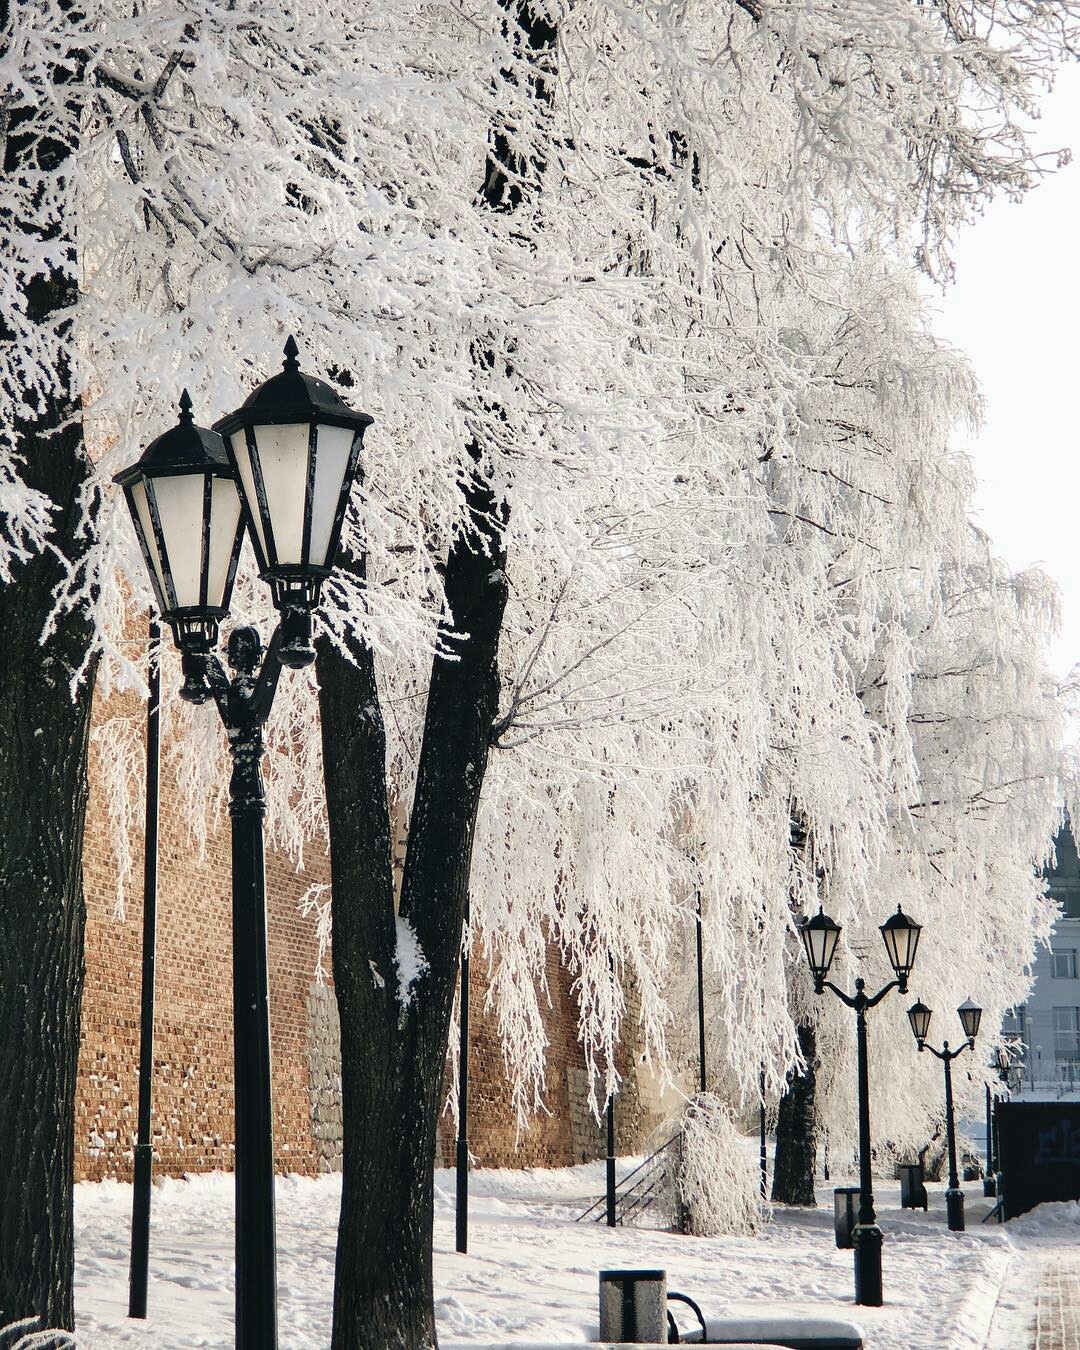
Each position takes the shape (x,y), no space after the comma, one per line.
(281,468)
(820,936)
(970,1014)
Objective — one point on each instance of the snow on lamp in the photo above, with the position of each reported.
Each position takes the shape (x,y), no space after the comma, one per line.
(901,937)
(183,501)
(970,1016)
(295,446)
(919,1016)
(820,935)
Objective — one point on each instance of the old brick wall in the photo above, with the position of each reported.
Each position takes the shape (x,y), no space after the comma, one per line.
(567,1131)
(193,1104)
(193,1075)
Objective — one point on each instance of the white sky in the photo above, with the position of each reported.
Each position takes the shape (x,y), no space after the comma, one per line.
(1015,309)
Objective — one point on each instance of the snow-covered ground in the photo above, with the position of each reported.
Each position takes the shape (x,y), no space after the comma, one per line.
(531,1272)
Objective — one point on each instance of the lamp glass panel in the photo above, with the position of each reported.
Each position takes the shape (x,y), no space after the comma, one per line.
(224,522)
(283,458)
(238,442)
(180,509)
(332,449)
(153,562)
(970,1017)
(820,943)
(813,941)
(901,943)
(919,1016)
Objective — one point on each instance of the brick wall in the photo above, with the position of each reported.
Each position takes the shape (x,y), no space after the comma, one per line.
(193,1104)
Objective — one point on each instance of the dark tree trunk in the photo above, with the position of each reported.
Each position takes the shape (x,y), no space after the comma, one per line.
(43,748)
(394,1039)
(796,1131)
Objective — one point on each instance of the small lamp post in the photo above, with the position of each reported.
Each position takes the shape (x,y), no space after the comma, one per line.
(1000,1064)
(970,1014)
(282,467)
(820,936)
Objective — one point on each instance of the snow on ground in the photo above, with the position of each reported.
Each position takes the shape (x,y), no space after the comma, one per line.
(531,1272)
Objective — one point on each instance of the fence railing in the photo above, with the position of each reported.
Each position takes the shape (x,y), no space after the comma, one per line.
(639,1191)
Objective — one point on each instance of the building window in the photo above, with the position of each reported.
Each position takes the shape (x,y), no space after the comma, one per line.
(1067,1035)
(1064,964)
(1012,1025)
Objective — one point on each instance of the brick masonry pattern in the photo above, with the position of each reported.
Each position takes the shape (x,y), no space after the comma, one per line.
(193,1101)
(1057,1313)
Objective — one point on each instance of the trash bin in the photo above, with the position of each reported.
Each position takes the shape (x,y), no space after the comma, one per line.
(845,1214)
(633,1307)
(912,1186)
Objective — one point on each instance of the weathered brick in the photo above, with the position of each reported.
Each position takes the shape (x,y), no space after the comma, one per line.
(193,1103)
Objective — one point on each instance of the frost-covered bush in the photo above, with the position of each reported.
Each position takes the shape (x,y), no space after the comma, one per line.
(713,1180)
(26,1335)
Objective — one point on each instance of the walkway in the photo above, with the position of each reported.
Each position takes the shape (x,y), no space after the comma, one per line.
(1057,1309)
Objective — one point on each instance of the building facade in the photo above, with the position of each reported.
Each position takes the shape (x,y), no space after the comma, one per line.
(1048,1024)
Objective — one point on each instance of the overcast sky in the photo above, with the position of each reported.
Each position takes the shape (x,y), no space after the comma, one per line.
(1015,309)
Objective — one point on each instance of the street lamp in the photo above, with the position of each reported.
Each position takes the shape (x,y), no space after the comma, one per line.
(1000,1064)
(820,936)
(282,467)
(970,1016)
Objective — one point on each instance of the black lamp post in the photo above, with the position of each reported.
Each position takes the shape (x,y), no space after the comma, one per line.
(970,1016)
(1000,1065)
(820,936)
(282,467)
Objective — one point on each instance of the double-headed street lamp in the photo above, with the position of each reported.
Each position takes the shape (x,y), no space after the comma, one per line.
(820,936)
(970,1016)
(281,468)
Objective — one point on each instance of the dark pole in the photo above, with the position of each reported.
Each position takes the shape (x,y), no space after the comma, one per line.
(462,1197)
(763,1156)
(867,1234)
(244,704)
(611,1129)
(700,999)
(611,1160)
(866,1238)
(256,1276)
(144,1152)
(954,1196)
(988,1179)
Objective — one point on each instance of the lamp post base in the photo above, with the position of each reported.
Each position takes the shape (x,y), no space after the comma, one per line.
(868,1265)
(989,1188)
(954,1208)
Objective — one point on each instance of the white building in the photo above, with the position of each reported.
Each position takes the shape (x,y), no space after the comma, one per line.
(1048,1025)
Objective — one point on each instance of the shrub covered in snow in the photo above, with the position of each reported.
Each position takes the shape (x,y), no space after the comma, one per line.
(713,1181)
(27,1335)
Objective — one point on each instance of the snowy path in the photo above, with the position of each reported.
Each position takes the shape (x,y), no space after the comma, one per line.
(531,1274)
(1039,1304)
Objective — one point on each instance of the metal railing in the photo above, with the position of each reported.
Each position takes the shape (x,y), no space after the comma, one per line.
(638,1191)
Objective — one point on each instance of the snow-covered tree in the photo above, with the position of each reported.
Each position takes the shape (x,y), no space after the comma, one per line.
(47,504)
(647,505)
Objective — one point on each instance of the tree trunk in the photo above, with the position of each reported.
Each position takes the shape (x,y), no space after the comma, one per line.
(394,1034)
(44,732)
(796,1134)
(394,1037)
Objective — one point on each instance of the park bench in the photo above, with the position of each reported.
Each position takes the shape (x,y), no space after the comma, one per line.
(741,1333)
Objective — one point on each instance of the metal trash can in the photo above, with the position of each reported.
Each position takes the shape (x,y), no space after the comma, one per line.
(845,1214)
(633,1306)
(912,1186)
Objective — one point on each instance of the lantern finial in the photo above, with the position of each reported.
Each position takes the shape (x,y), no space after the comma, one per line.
(186,419)
(292,354)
